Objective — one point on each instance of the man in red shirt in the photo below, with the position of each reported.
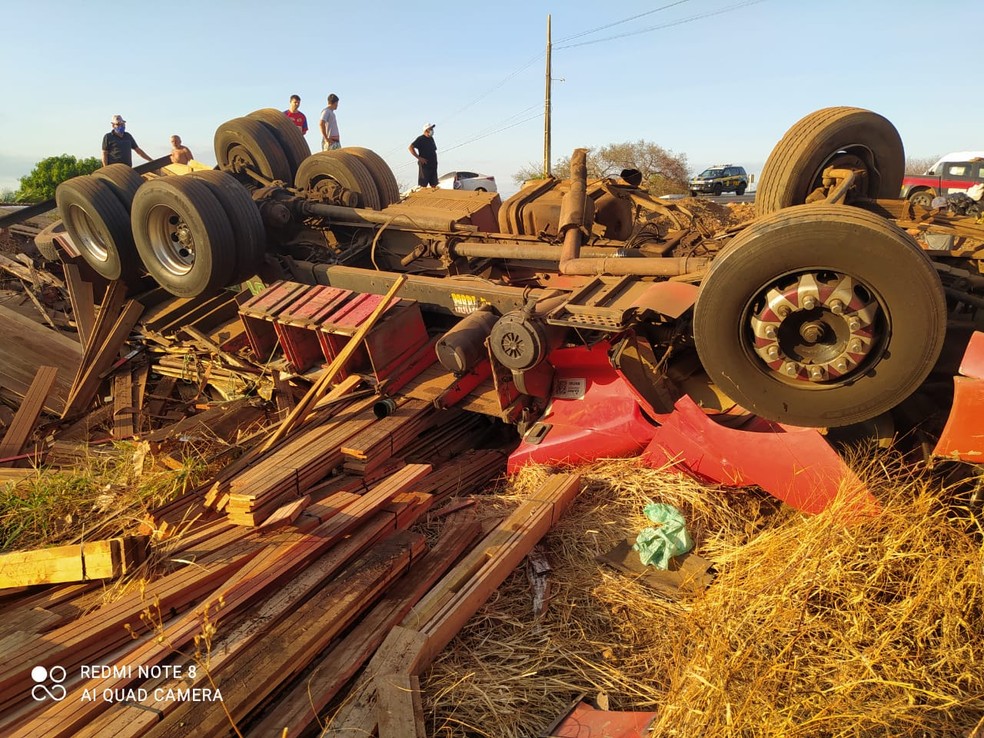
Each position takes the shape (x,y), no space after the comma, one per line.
(300,120)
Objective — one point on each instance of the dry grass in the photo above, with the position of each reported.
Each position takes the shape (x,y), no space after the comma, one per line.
(106,494)
(811,628)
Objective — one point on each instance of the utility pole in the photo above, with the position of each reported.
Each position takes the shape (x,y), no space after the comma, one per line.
(546,111)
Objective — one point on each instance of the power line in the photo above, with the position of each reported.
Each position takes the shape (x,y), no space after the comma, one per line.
(663,25)
(618,23)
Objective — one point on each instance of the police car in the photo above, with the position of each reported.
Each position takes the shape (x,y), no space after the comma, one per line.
(720,178)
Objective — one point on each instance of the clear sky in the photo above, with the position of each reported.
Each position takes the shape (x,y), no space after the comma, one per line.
(717,80)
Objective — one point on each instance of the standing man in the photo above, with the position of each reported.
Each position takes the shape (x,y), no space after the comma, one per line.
(329,125)
(424,150)
(180,154)
(118,145)
(300,120)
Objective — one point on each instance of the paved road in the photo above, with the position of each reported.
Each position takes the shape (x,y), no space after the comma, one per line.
(724,199)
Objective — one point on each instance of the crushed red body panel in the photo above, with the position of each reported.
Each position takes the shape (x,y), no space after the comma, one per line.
(796,465)
(593,413)
(963,436)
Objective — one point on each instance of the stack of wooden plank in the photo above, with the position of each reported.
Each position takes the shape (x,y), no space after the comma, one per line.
(295,465)
(402,423)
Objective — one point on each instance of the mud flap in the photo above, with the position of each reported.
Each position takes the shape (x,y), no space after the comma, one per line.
(963,436)
(796,465)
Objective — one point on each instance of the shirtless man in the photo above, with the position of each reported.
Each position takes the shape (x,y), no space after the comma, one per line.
(179,154)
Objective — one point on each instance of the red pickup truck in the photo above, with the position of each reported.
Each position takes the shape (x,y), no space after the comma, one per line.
(956,172)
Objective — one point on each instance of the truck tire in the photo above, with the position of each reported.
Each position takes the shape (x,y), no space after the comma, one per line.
(244,217)
(288,135)
(183,236)
(820,315)
(922,197)
(245,144)
(840,137)
(99,225)
(343,168)
(122,179)
(717,189)
(389,190)
(740,190)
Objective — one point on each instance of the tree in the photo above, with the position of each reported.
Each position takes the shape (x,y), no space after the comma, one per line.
(663,172)
(48,173)
(8,196)
(920,164)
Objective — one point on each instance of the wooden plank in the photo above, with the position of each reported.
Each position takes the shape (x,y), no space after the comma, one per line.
(104,559)
(85,388)
(399,710)
(27,414)
(27,345)
(123,406)
(80,295)
(297,710)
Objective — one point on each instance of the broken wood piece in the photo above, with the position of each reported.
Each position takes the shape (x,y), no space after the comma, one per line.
(81,297)
(86,386)
(106,559)
(26,345)
(124,417)
(285,515)
(27,414)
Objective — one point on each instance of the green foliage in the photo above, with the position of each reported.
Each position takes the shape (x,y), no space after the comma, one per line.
(532,170)
(8,196)
(663,172)
(48,173)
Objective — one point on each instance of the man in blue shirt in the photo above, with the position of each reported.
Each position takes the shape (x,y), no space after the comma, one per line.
(118,145)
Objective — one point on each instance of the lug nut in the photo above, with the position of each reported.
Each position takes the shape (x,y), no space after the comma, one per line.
(772,352)
(836,306)
(791,368)
(770,332)
(841,365)
(782,311)
(816,373)
(855,346)
(809,302)
(854,324)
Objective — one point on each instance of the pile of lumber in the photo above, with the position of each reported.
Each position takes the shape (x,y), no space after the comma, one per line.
(263,629)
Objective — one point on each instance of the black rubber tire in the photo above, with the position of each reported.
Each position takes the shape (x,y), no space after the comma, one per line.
(922,197)
(389,190)
(99,225)
(345,169)
(206,261)
(828,137)
(740,190)
(248,234)
(291,140)
(717,189)
(693,193)
(122,179)
(888,270)
(247,144)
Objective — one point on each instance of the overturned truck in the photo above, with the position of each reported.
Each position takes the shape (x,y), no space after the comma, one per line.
(593,316)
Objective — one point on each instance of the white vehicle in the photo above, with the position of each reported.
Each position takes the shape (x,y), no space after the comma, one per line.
(467,181)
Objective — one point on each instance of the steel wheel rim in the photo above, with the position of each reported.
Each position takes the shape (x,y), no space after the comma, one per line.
(815,329)
(171,241)
(83,225)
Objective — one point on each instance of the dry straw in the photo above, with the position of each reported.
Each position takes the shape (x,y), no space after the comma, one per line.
(812,627)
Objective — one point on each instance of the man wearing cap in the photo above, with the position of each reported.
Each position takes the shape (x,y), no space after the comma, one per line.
(424,150)
(118,145)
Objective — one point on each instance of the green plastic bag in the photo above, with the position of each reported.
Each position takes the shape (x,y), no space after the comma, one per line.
(669,538)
